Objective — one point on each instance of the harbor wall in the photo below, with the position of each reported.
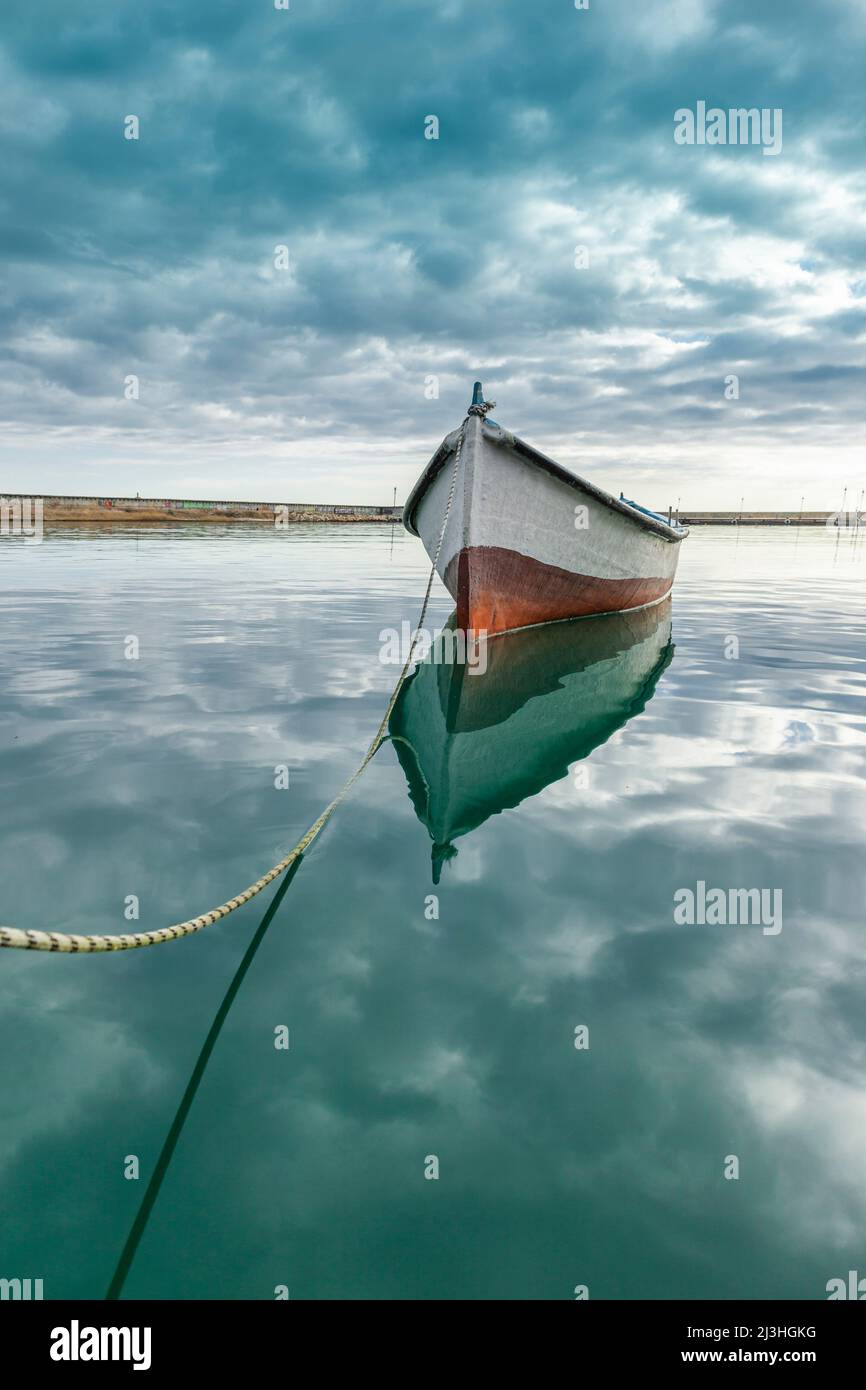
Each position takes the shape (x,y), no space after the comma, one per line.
(162,509)
(145,509)
(764,518)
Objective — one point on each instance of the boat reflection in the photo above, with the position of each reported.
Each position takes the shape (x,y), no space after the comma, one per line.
(474,744)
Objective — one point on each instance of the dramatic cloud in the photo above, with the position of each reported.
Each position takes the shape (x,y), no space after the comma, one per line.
(411,257)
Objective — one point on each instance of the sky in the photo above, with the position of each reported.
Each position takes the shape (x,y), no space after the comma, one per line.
(414,265)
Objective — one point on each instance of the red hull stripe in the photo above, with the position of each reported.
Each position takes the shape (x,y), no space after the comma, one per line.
(497,589)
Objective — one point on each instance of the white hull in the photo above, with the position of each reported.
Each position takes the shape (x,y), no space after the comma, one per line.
(529,542)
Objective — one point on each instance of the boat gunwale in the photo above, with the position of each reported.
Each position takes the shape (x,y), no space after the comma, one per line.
(448,446)
(659,527)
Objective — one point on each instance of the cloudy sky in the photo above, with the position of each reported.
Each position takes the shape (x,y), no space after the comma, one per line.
(411,258)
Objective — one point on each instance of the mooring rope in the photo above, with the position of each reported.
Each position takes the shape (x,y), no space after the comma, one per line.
(68,941)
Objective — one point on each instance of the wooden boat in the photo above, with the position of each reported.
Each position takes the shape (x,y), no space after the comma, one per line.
(473,745)
(527,540)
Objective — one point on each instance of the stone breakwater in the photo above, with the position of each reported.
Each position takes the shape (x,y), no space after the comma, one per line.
(847,520)
(162,509)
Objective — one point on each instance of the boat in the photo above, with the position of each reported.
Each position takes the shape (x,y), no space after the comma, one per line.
(526,540)
(474,745)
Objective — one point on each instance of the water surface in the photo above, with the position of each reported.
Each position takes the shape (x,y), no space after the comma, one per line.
(731,752)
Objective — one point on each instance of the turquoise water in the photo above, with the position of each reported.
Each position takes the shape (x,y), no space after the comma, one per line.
(643,768)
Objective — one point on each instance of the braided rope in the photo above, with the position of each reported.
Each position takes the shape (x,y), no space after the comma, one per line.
(67,941)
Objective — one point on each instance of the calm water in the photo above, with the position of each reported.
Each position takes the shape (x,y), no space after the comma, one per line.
(643,766)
